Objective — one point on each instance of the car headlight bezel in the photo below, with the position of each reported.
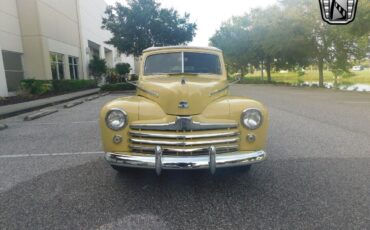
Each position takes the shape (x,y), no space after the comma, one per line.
(249,112)
(123,117)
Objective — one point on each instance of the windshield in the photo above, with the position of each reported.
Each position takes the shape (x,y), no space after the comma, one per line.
(182,62)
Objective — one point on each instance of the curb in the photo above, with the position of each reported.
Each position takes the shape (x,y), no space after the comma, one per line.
(104,94)
(39,114)
(123,92)
(92,98)
(24,107)
(3,126)
(72,104)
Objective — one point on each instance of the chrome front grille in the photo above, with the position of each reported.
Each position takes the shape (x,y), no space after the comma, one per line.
(184,137)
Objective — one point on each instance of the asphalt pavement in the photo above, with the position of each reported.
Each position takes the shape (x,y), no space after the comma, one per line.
(53,174)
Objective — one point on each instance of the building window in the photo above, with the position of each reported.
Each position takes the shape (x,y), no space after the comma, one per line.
(73,67)
(94,53)
(57,66)
(13,69)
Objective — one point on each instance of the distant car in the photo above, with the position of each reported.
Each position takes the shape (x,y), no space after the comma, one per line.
(182,116)
(357,68)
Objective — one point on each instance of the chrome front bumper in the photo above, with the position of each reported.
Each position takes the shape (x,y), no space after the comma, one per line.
(211,161)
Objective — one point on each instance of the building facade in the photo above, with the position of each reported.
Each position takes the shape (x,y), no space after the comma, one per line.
(52,39)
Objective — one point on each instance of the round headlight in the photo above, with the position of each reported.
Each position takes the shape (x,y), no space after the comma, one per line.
(251,118)
(116,119)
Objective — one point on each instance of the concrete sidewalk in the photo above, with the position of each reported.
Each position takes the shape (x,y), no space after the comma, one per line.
(9,110)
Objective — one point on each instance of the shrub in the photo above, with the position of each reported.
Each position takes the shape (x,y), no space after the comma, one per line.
(117,87)
(300,72)
(97,66)
(73,85)
(40,87)
(134,77)
(36,87)
(257,80)
(123,68)
(253,80)
(113,77)
(347,74)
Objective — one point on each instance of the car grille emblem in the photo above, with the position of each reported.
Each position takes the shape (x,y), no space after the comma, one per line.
(338,12)
(183,105)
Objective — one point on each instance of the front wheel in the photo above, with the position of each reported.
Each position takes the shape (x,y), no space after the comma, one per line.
(247,167)
(238,170)
(243,169)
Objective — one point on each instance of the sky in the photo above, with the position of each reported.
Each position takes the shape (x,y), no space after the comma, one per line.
(209,14)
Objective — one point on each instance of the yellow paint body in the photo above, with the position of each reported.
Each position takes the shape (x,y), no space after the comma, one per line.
(197,91)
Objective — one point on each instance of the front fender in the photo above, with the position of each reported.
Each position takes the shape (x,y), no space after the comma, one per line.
(231,108)
(237,106)
(137,108)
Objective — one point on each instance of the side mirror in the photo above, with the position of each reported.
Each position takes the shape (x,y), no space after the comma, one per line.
(125,79)
(237,79)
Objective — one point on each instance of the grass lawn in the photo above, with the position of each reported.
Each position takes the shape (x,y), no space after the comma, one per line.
(313,76)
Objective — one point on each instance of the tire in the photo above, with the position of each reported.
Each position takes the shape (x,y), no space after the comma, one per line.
(246,168)
(232,171)
(242,169)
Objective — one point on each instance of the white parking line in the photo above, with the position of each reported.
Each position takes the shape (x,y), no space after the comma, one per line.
(48,154)
(54,123)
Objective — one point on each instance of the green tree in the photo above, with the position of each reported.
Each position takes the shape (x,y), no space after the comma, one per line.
(233,39)
(334,45)
(262,38)
(143,23)
(97,67)
(292,34)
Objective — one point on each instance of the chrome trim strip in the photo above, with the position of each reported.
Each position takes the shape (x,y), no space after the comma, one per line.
(187,150)
(182,136)
(186,162)
(183,143)
(219,90)
(183,62)
(184,124)
(155,94)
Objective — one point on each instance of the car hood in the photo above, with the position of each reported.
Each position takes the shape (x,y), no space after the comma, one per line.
(194,91)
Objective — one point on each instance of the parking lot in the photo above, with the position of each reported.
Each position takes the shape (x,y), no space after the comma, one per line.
(53,174)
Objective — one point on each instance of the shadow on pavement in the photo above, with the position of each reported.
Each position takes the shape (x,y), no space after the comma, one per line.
(287,194)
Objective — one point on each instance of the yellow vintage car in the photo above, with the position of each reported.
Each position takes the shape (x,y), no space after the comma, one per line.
(182,116)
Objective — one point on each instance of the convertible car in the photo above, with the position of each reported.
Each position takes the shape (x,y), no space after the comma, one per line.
(182,116)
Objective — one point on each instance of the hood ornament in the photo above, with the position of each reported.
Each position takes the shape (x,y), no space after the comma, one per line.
(183,81)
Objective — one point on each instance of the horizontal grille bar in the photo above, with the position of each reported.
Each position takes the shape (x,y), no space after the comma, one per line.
(182,136)
(171,150)
(184,143)
(184,124)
